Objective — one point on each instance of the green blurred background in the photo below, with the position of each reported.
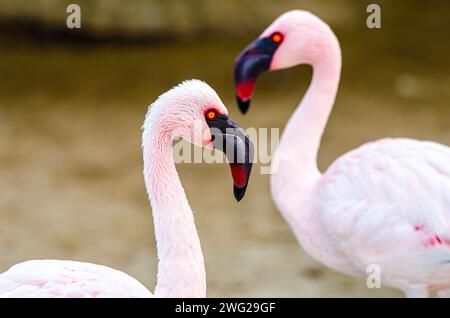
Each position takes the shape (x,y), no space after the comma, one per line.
(72,103)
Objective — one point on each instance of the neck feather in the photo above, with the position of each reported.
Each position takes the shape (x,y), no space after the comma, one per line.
(181,270)
(295,170)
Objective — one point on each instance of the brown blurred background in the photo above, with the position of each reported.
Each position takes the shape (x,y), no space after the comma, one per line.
(72,103)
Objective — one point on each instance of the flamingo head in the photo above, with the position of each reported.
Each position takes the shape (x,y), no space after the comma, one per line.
(193,111)
(296,37)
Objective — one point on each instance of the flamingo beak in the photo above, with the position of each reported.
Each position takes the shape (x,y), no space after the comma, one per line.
(231,139)
(251,62)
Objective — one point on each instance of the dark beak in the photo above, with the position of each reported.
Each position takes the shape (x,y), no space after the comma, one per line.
(243,105)
(253,60)
(231,139)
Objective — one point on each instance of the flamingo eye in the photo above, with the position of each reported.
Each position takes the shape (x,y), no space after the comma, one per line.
(277,37)
(211,114)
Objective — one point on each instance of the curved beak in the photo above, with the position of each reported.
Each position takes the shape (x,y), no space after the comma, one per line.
(251,62)
(231,139)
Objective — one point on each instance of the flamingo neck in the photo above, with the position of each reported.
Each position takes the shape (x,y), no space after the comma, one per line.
(295,170)
(181,270)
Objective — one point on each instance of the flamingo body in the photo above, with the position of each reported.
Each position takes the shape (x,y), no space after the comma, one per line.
(68,279)
(191,110)
(386,203)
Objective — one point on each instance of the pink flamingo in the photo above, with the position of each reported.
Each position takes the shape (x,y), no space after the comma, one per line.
(386,203)
(181,271)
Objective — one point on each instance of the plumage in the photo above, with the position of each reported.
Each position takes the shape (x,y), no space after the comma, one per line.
(181,270)
(386,203)
(57,279)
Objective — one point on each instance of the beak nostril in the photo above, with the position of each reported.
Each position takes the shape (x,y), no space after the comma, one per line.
(213,137)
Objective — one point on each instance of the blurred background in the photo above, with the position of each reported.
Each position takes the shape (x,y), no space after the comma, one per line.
(72,103)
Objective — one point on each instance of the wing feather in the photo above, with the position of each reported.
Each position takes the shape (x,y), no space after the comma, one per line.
(385,200)
(54,278)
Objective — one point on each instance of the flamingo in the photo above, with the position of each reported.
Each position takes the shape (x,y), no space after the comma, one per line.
(386,203)
(181,271)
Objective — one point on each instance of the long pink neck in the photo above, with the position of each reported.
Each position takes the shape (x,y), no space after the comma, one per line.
(181,270)
(295,170)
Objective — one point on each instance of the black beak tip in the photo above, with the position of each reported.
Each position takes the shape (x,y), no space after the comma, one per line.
(239,193)
(243,105)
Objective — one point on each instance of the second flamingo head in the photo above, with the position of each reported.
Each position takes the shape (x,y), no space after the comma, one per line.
(296,37)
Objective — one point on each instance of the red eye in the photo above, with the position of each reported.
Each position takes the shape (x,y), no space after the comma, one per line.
(211,114)
(277,37)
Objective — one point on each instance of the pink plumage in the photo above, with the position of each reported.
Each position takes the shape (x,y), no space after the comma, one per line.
(56,279)
(181,270)
(386,203)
